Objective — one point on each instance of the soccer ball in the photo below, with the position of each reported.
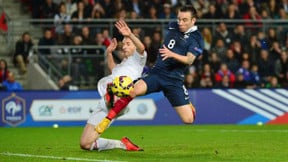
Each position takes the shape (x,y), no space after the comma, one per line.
(122,85)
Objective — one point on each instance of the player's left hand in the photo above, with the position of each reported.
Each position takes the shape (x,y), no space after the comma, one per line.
(123,28)
(165,53)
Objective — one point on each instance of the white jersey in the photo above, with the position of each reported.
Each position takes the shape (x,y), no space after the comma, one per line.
(131,66)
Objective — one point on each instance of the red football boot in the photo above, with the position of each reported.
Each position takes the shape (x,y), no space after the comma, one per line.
(129,145)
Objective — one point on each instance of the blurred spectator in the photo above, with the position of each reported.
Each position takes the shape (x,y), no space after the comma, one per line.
(240,35)
(266,66)
(245,56)
(107,38)
(79,16)
(66,83)
(22,50)
(3,70)
(208,38)
(167,12)
(212,13)
(88,7)
(206,77)
(253,48)
(275,51)
(108,8)
(46,40)
(272,35)
(273,83)
(232,13)
(61,18)
(284,5)
(223,33)
(78,66)
(245,70)
(245,6)
(237,49)
(44,44)
(71,7)
(272,7)
(255,77)
(156,39)
(99,39)
(86,36)
(152,13)
(232,63)
(136,6)
(221,7)
(98,11)
(240,82)
(202,5)
(151,51)
(11,84)
(224,71)
(49,9)
(3,22)
(190,81)
(281,69)
(224,83)
(220,49)
(265,15)
(253,20)
(36,7)
(214,62)
(66,37)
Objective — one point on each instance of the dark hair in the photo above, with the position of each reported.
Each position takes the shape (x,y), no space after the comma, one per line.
(25,33)
(6,68)
(5,62)
(189,8)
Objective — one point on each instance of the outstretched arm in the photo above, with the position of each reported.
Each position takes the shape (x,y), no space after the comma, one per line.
(166,53)
(109,50)
(124,29)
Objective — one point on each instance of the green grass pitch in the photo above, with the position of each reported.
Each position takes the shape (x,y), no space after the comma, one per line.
(179,143)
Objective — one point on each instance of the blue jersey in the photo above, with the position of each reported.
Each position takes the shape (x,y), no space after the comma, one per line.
(180,43)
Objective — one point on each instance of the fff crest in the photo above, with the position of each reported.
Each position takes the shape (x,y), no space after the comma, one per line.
(13,110)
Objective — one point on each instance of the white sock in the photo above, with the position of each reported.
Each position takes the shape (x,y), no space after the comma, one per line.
(107,144)
(93,146)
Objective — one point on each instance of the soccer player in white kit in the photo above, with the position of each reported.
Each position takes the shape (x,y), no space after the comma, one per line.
(132,65)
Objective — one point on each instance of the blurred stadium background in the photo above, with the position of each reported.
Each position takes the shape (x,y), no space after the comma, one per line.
(243,69)
(241,79)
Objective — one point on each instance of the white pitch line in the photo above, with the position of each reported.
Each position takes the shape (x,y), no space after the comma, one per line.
(245,130)
(55,157)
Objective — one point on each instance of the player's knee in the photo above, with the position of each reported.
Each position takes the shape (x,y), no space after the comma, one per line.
(84,145)
(188,120)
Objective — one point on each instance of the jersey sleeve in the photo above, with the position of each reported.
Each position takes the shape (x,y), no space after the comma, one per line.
(197,45)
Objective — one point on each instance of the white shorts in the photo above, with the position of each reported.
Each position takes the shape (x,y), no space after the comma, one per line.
(99,113)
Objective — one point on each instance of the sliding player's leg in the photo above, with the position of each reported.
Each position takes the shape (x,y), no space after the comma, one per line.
(90,140)
(140,88)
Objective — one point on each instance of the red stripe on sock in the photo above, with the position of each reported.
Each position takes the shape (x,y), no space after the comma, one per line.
(119,105)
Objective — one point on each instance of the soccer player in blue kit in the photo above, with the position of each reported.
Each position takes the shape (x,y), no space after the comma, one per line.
(183,43)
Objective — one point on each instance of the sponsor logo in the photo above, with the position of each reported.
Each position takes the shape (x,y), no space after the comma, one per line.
(13,110)
(45,110)
(198,49)
(64,110)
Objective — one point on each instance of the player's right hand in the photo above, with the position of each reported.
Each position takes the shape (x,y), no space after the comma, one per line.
(112,46)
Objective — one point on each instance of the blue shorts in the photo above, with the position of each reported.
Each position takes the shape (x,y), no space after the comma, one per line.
(174,90)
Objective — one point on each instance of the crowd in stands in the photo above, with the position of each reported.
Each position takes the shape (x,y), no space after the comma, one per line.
(7,78)
(238,55)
